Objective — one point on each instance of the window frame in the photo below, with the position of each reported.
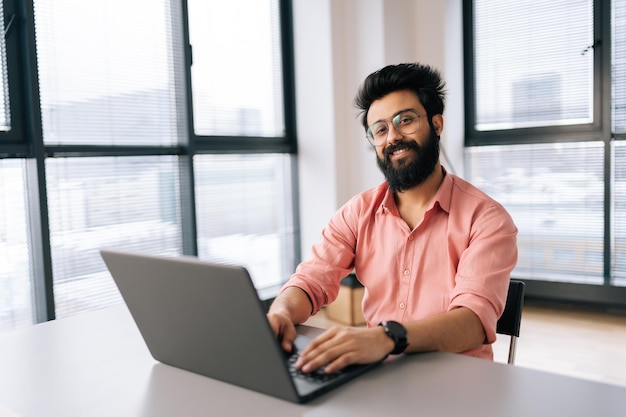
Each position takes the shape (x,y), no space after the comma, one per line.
(567,133)
(253,144)
(25,139)
(600,130)
(14,143)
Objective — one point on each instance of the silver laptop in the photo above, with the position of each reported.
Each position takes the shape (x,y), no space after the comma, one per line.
(207,318)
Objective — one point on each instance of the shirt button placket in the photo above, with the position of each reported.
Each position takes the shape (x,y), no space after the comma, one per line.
(406,277)
(406,272)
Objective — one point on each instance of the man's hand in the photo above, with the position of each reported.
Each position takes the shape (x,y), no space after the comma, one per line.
(284,329)
(339,347)
(292,306)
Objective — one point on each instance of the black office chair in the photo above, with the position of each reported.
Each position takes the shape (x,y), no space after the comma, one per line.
(509,322)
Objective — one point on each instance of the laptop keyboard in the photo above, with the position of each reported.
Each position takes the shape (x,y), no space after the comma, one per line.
(316,376)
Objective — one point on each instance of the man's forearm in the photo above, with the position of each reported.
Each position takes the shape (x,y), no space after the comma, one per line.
(454,331)
(294,303)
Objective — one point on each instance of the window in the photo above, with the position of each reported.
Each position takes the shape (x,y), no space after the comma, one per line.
(243,201)
(536,136)
(113,84)
(128,203)
(243,214)
(237,90)
(141,145)
(558,209)
(533,63)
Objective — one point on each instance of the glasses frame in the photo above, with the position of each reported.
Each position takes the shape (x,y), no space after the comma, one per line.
(396,123)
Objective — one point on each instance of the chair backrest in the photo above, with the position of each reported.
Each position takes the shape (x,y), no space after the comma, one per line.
(511,319)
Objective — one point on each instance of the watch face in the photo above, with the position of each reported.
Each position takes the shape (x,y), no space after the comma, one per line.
(397,329)
(397,332)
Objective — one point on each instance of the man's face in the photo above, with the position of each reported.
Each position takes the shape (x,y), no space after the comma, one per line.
(406,160)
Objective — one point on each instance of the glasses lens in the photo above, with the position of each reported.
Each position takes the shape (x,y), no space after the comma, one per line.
(406,122)
(377,132)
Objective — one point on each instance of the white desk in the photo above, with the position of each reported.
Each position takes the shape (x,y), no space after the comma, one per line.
(97,365)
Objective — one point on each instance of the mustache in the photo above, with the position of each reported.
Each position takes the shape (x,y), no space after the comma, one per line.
(401,145)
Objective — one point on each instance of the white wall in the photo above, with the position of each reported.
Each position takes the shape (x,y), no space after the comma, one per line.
(337,44)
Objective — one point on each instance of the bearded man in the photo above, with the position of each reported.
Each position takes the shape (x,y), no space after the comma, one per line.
(433,252)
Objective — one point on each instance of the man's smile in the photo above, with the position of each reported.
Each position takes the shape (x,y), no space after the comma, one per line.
(397,152)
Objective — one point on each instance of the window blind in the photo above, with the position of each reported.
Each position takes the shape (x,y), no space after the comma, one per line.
(244,214)
(16,305)
(5,113)
(618,177)
(105,72)
(618,65)
(237,68)
(127,203)
(111,73)
(533,63)
(106,78)
(555,194)
(618,208)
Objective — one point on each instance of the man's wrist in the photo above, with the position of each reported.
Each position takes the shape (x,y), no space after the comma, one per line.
(398,335)
(386,341)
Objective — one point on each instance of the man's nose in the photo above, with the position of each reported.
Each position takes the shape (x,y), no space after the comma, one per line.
(393,134)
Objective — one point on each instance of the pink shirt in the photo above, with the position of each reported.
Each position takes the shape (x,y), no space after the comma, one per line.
(461,254)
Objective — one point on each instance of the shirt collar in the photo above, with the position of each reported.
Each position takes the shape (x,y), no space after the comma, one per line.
(444,193)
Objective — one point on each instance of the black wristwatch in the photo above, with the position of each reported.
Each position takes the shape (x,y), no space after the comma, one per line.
(397,333)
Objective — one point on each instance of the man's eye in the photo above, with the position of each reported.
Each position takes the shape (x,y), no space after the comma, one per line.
(380,130)
(405,120)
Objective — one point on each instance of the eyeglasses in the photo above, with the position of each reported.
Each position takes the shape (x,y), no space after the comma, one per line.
(405,122)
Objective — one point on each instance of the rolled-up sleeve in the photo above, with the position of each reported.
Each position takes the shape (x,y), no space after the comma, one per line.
(332,259)
(485,267)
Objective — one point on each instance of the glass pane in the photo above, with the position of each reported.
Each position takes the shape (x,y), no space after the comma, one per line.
(128,203)
(618,250)
(555,194)
(245,216)
(16,306)
(5,113)
(237,72)
(105,72)
(533,63)
(618,66)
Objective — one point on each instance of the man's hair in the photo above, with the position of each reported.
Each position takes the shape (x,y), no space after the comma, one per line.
(423,80)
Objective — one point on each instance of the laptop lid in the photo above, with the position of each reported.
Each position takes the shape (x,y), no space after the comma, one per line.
(206,318)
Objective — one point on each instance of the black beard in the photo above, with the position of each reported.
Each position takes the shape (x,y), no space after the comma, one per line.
(410,173)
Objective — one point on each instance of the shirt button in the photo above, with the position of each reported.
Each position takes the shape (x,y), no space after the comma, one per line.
(406,272)
(402,306)
(411,237)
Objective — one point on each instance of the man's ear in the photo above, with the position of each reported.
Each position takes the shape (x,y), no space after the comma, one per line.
(438,124)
